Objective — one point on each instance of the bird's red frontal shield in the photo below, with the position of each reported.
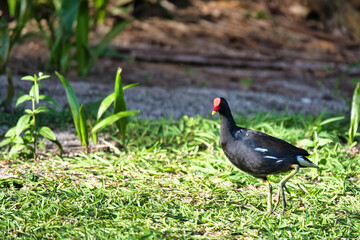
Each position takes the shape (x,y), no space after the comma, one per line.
(216,105)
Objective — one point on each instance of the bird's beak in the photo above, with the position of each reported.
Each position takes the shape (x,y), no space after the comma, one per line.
(213,112)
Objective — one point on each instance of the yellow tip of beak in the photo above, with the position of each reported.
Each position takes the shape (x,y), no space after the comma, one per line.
(213,112)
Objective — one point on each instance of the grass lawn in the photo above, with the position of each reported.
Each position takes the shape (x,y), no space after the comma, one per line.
(176,183)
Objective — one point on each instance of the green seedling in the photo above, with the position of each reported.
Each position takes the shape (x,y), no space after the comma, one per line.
(28,134)
(84,129)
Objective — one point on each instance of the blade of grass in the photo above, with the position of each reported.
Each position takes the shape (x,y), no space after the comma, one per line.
(104,105)
(83,128)
(355,112)
(111,119)
(73,102)
(120,105)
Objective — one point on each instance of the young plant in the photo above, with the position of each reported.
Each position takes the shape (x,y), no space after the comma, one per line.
(355,113)
(117,97)
(82,127)
(28,132)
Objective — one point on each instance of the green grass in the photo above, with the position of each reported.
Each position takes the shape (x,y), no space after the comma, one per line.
(175,183)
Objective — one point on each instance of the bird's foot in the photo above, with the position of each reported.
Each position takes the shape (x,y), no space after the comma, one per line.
(287,190)
(281,194)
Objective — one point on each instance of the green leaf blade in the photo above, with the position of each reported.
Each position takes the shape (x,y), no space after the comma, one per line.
(111,119)
(83,128)
(130,85)
(22,123)
(49,100)
(47,133)
(120,105)
(73,102)
(28,78)
(5,142)
(104,105)
(22,99)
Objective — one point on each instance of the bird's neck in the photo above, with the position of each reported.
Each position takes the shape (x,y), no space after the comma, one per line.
(228,125)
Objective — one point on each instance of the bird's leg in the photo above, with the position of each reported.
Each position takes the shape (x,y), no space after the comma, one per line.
(282,186)
(269,200)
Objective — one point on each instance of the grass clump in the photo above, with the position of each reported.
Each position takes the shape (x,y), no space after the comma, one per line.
(175,183)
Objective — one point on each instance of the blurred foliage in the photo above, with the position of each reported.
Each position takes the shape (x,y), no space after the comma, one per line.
(9,36)
(74,18)
(65,25)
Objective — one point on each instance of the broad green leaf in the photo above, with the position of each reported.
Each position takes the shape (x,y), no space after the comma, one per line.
(73,103)
(22,99)
(41,76)
(22,123)
(4,142)
(45,109)
(28,78)
(11,132)
(355,113)
(46,132)
(19,140)
(111,119)
(83,128)
(119,105)
(104,105)
(130,85)
(15,150)
(49,99)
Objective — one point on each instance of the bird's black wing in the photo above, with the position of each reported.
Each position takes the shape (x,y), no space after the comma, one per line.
(267,145)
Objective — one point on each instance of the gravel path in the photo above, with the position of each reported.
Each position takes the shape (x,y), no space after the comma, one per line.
(156,102)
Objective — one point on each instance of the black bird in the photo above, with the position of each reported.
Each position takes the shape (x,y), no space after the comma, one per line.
(259,154)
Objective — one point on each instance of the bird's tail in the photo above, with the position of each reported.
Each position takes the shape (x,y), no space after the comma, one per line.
(304,162)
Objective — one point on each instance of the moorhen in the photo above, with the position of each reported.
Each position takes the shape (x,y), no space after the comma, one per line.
(259,154)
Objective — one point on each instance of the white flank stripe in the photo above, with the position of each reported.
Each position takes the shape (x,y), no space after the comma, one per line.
(271,157)
(303,162)
(261,149)
(279,161)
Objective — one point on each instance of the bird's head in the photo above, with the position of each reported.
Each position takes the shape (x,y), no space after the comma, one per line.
(219,104)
